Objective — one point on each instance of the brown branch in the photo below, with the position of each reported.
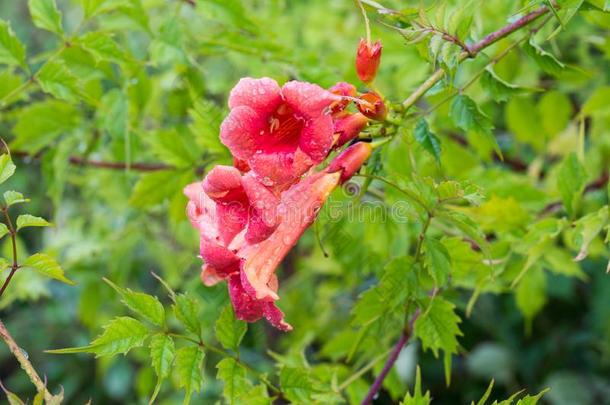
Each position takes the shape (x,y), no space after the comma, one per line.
(474,49)
(595,185)
(27,366)
(14,266)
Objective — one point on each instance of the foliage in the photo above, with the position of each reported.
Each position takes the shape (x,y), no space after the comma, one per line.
(480,226)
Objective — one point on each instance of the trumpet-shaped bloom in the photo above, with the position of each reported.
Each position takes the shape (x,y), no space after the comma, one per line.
(280,132)
(367,60)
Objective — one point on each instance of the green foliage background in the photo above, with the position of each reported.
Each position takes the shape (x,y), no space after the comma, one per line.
(146,81)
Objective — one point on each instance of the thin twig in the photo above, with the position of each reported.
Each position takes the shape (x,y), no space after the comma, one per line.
(13,234)
(25,363)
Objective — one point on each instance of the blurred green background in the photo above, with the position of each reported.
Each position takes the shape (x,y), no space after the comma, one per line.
(162,101)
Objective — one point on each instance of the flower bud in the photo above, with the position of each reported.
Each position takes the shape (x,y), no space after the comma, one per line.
(372,106)
(367,60)
(348,127)
(350,160)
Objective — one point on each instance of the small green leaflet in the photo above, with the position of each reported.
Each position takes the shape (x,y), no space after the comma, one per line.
(543,59)
(229,330)
(93,7)
(147,306)
(120,336)
(162,352)
(233,375)
(13,197)
(56,79)
(437,260)
(26,220)
(597,103)
(188,367)
(102,47)
(588,227)
(296,385)
(11,397)
(427,139)
(154,188)
(7,168)
(186,310)
(571,181)
(417,398)
(12,51)
(3,230)
(438,326)
(468,117)
(47,266)
(499,89)
(46,15)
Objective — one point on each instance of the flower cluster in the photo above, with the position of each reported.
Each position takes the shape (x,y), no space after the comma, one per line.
(251,214)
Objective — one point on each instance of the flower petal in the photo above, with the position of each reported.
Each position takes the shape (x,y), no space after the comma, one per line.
(262,219)
(262,95)
(280,168)
(307,99)
(221,181)
(239,129)
(218,256)
(317,137)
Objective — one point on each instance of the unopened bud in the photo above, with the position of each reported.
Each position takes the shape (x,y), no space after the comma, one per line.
(348,127)
(367,60)
(372,106)
(350,160)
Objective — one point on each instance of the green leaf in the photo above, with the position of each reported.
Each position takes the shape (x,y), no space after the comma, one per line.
(26,220)
(12,51)
(438,326)
(11,397)
(56,79)
(39,124)
(467,116)
(532,399)
(296,385)
(7,168)
(3,230)
(47,266)
(556,111)
(437,260)
(524,121)
(154,188)
(46,16)
(571,181)
(234,377)
(530,294)
(417,398)
(486,395)
(145,305)
(427,139)
(162,353)
(187,311)
(597,103)
(229,330)
(120,336)
(205,123)
(188,366)
(102,47)
(588,227)
(175,148)
(499,89)
(13,197)
(543,59)
(92,7)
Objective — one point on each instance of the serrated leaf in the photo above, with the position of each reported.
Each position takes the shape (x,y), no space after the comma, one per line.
(120,336)
(93,7)
(145,305)
(27,220)
(486,395)
(46,15)
(257,395)
(417,398)
(47,266)
(296,384)
(188,366)
(39,124)
(233,375)
(438,326)
(13,197)
(230,330)
(56,79)
(187,311)
(7,168)
(12,51)
(499,89)
(532,399)
(546,61)
(102,47)
(571,181)
(162,352)
(427,139)
(588,227)
(467,116)
(437,260)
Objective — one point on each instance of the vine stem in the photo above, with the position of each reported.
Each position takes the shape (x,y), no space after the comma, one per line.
(473,50)
(26,365)
(14,265)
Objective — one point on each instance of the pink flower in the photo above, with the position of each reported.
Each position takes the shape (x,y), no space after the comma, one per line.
(280,132)
(367,60)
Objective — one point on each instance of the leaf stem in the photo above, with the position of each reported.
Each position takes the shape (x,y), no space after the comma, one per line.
(13,235)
